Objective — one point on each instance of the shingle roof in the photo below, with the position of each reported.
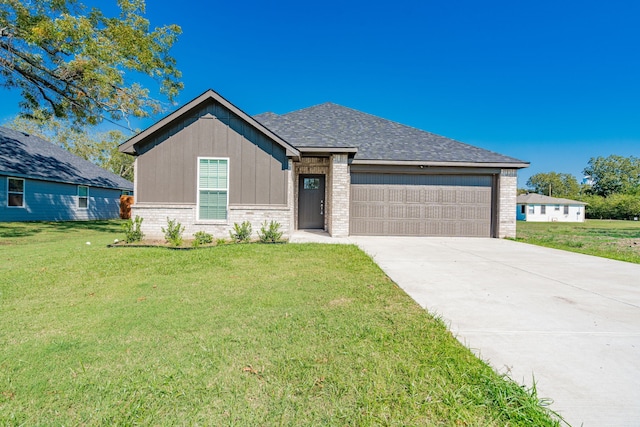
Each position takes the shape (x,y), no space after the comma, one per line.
(27,156)
(540,199)
(330,125)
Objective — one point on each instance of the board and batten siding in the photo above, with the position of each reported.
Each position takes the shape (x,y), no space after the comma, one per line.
(54,201)
(168,164)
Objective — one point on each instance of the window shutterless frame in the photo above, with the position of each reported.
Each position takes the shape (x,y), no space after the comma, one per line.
(15,192)
(213,189)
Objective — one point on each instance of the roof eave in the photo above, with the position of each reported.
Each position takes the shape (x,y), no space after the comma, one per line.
(317,150)
(128,147)
(502,165)
(63,181)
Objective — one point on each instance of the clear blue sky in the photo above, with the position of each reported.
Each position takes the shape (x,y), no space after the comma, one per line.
(549,82)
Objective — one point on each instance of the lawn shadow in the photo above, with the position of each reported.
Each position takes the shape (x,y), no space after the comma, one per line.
(25,229)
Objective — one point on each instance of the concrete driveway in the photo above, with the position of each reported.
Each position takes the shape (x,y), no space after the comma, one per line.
(569,321)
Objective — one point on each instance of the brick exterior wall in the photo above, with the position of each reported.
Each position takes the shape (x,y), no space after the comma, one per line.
(508,188)
(340,182)
(155,217)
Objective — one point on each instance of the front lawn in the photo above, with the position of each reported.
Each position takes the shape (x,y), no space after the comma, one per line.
(231,335)
(618,240)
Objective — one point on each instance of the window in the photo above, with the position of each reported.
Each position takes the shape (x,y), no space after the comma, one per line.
(532,209)
(213,188)
(557,208)
(543,209)
(566,209)
(522,209)
(83,197)
(311,183)
(15,192)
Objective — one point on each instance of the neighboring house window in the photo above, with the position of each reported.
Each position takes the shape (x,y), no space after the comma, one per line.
(522,209)
(83,197)
(566,209)
(213,188)
(543,209)
(15,192)
(532,209)
(557,207)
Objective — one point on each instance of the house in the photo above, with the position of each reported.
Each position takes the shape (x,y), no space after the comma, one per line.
(210,165)
(539,208)
(40,181)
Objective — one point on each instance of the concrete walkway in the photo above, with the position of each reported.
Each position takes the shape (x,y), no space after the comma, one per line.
(570,322)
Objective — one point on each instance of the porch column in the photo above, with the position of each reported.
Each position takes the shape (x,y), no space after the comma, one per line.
(340,187)
(508,190)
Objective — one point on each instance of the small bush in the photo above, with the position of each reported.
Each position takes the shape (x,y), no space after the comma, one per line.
(173,232)
(132,230)
(202,238)
(241,233)
(270,233)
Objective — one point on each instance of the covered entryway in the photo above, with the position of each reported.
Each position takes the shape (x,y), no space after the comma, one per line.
(311,201)
(384,204)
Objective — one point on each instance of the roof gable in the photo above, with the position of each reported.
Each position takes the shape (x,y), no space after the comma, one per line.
(27,156)
(132,145)
(376,139)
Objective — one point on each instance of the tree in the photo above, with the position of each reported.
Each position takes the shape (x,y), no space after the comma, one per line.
(100,148)
(554,184)
(614,174)
(70,62)
(616,206)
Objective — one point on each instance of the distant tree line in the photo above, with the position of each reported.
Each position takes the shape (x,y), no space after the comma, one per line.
(612,190)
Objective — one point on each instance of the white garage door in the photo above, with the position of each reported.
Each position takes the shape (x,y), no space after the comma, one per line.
(421,205)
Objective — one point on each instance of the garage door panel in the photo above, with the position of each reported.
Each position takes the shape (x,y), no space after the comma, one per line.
(419,206)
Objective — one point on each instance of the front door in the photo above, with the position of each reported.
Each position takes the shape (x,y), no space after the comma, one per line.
(311,201)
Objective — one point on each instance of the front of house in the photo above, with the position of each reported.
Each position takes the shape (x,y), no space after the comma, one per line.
(540,208)
(210,165)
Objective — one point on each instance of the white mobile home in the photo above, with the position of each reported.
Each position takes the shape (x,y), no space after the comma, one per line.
(538,208)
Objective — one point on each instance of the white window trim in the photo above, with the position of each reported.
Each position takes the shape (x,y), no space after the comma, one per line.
(78,198)
(216,221)
(24,191)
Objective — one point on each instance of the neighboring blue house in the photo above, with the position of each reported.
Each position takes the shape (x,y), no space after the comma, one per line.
(40,181)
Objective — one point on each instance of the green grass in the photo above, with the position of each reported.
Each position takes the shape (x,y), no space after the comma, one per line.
(230,335)
(618,240)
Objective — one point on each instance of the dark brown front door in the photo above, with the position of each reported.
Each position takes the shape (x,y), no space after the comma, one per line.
(311,201)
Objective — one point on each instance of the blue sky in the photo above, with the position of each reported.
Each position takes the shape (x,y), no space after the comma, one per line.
(553,83)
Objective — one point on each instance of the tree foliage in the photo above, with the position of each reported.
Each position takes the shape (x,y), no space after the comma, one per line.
(554,184)
(614,174)
(615,206)
(70,62)
(100,148)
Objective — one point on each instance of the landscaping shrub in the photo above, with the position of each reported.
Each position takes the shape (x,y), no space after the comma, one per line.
(202,238)
(241,233)
(173,232)
(269,233)
(132,230)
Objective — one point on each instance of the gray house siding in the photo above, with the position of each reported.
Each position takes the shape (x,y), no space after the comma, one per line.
(53,201)
(167,165)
